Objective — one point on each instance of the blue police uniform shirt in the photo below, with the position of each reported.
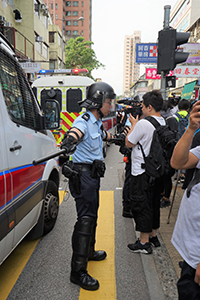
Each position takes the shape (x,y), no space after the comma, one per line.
(91,147)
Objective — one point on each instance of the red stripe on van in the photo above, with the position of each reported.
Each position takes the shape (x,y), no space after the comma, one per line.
(2,190)
(24,178)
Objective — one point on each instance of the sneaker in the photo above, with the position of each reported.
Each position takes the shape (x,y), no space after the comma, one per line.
(138,247)
(182,179)
(126,212)
(164,202)
(154,241)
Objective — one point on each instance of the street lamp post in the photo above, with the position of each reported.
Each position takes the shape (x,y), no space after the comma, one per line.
(79,19)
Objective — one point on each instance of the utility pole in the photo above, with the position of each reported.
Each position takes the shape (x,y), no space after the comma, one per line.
(164,73)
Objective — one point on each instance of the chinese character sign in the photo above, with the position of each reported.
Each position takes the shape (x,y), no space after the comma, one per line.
(146,53)
(151,73)
(187,71)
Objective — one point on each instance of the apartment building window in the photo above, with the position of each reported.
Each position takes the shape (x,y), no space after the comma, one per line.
(75,23)
(51,37)
(82,13)
(59,40)
(52,64)
(10,2)
(45,51)
(68,13)
(82,3)
(56,6)
(51,5)
(56,16)
(45,22)
(75,13)
(75,32)
(68,32)
(38,46)
(68,3)
(68,23)
(75,3)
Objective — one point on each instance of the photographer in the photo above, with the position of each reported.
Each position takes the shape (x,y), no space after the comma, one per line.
(186,235)
(85,137)
(145,195)
(134,108)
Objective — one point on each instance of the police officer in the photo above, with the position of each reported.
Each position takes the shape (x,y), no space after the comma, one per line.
(86,138)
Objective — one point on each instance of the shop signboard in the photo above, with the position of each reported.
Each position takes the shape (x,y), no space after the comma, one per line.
(146,53)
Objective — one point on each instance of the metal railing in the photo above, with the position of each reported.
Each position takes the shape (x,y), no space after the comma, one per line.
(24,48)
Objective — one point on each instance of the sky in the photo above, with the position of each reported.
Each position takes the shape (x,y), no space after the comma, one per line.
(111,21)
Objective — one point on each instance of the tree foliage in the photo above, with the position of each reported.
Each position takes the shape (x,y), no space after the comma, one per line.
(79,54)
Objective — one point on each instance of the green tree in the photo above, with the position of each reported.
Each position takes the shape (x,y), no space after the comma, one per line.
(79,54)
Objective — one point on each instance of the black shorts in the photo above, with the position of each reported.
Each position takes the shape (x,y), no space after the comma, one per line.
(141,202)
(187,287)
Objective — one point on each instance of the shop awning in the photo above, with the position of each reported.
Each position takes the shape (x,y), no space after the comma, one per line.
(187,90)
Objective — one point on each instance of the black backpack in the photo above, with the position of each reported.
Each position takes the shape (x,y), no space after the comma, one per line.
(157,163)
(182,124)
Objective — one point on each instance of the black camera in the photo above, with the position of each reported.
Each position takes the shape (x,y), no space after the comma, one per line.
(135,108)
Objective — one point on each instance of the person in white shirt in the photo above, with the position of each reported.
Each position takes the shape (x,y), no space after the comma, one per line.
(186,234)
(145,195)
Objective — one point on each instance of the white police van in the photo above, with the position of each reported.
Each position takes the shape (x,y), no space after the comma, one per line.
(29,199)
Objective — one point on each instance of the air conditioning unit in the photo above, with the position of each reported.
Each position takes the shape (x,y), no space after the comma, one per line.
(8,24)
(36,7)
(39,39)
(43,7)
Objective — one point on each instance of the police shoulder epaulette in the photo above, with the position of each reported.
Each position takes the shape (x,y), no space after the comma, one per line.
(86,116)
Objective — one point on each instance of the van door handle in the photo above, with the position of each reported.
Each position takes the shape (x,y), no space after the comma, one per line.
(15,148)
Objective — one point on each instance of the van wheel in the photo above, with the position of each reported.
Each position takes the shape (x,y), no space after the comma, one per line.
(51,206)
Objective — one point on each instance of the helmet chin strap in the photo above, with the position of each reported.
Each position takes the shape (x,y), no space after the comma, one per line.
(100,113)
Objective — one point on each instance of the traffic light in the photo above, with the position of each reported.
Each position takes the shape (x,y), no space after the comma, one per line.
(168,56)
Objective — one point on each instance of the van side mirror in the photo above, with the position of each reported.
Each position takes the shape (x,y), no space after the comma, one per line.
(51,109)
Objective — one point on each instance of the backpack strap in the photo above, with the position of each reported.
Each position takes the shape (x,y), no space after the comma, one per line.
(194,181)
(177,115)
(153,121)
(156,124)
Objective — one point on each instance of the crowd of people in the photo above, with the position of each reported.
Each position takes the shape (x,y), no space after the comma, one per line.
(143,196)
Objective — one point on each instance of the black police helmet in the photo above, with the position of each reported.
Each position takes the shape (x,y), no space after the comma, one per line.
(96,94)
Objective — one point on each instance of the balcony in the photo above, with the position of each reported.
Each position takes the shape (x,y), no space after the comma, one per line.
(24,48)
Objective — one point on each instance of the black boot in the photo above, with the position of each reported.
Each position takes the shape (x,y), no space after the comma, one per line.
(80,244)
(95,255)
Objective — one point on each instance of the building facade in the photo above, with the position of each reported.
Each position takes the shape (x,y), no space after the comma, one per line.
(131,70)
(29,28)
(185,17)
(74,18)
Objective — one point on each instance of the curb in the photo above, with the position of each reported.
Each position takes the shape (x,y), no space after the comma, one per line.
(153,282)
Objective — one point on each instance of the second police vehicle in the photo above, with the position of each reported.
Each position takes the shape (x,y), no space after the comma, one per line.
(68,87)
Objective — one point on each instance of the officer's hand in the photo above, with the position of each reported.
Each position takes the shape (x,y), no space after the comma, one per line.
(69,147)
(120,139)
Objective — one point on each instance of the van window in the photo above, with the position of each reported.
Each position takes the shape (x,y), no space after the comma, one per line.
(73,97)
(51,94)
(19,100)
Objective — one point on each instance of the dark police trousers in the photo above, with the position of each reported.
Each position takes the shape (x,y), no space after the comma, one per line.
(87,204)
